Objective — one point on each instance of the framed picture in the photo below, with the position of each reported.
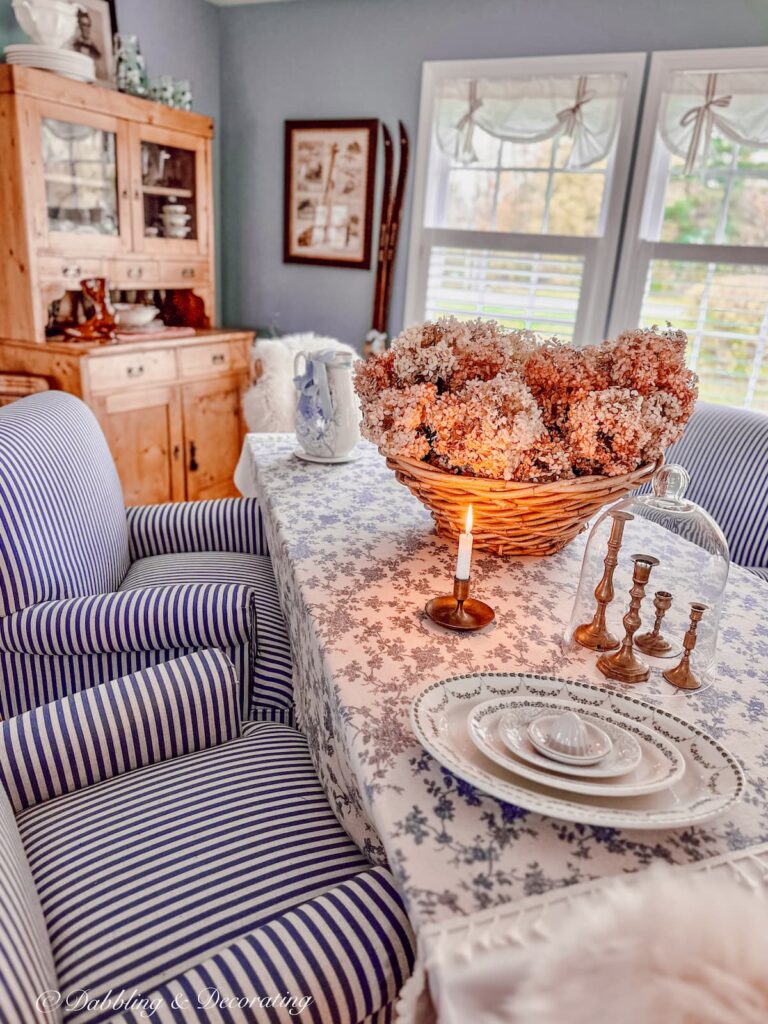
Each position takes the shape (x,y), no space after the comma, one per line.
(330,168)
(95,35)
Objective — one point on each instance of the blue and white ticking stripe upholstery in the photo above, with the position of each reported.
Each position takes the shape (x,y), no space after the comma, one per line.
(65,534)
(272,670)
(62,518)
(341,957)
(725,450)
(187,705)
(228,524)
(26,960)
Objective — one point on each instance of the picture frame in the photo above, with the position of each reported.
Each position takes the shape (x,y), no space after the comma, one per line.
(330,176)
(95,36)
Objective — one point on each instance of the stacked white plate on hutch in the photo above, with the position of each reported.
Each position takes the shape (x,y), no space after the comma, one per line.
(575,751)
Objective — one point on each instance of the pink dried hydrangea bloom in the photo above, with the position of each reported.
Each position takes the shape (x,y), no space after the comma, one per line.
(472,398)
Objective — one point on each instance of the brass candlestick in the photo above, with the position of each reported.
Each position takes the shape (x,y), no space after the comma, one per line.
(458,610)
(625,665)
(682,675)
(595,635)
(653,643)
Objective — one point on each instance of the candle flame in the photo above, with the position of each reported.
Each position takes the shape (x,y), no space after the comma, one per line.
(468,526)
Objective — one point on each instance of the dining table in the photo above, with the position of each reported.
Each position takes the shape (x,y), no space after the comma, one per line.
(356,558)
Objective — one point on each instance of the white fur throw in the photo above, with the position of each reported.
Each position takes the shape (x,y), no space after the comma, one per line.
(675,948)
(270,404)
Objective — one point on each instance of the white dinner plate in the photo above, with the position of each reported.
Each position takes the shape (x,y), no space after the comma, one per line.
(712,783)
(327,460)
(654,762)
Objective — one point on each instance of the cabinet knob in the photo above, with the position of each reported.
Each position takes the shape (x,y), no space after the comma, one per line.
(71,270)
(193,466)
(136,194)
(188,272)
(218,358)
(124,193)
(134,371)
(135,271)
(177,452)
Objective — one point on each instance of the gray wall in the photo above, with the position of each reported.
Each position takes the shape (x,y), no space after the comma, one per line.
(362,58)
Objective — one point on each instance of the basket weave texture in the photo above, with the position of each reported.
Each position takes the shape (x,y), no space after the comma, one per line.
(514,518)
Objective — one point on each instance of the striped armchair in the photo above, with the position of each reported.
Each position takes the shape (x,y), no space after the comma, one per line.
(156,851)
(725,450)
(89,592)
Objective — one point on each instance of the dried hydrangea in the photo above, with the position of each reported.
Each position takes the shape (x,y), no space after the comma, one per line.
(472,398)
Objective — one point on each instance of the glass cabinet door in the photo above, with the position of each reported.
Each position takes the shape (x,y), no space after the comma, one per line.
(80,173)
(170,206)
(84,200)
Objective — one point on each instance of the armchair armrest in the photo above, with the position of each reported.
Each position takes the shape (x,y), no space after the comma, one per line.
(224,524)
(147,619)
(154,715)
(342,956)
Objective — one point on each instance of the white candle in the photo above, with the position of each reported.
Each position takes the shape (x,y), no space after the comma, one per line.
(464,560)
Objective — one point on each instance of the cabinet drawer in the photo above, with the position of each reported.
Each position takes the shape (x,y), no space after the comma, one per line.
(134,273)
(204,360)
(55,268)
(131,369)
(184,273)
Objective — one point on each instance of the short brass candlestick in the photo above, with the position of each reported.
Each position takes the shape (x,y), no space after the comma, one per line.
(595,635)
(653,643)
(625,665)
(682,676)
(458,610)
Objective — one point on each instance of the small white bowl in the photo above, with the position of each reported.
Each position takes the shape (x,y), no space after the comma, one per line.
(569,739)
(134,314)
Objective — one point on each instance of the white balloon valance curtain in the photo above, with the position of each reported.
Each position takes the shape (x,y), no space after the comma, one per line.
(695,103)
(524,110)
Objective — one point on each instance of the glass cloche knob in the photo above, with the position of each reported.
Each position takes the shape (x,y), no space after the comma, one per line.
(670,483)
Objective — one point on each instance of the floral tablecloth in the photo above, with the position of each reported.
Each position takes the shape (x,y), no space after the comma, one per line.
(356,559)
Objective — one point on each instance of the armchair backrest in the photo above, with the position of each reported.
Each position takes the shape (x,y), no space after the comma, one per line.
(725,450)
(63,530)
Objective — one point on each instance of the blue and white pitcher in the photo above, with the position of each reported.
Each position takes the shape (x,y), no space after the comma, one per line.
(327,410)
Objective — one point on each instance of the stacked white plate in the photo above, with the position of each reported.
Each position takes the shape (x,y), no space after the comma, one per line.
(64,62)
(663,772)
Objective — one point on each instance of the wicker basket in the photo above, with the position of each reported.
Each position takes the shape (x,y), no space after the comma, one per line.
(514,518)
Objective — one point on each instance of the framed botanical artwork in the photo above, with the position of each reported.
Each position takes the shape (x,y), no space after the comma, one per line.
(94,36)
(330,167)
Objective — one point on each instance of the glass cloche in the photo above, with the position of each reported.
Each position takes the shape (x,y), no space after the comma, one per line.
(651,589)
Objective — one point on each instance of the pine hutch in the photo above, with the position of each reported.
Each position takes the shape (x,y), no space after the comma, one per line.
(84,174)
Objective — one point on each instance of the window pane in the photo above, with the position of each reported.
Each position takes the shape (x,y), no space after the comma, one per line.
(692,209)
(575,204)
(724,310)
(527,154)
(520,290)
(521,202)
(470,200)
(747,222)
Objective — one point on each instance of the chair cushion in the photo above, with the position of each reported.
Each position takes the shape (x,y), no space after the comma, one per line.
(272,691)
(62,517)
(144,875)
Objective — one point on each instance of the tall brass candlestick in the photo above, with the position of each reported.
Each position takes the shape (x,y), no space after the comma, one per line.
(682,675)
(625,665)
(595,635)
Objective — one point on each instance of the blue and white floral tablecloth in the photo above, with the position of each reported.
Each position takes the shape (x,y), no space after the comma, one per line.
(356,559)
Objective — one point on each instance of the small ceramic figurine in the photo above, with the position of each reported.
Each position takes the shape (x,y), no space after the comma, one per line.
(101,325)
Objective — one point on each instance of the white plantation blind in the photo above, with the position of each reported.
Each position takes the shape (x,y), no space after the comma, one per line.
(536,291)
(723,308)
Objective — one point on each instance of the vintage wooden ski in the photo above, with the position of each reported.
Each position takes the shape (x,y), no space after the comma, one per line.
(383,247)
(393,225)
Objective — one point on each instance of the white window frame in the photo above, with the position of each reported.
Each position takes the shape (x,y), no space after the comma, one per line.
(637,252)
(599,252)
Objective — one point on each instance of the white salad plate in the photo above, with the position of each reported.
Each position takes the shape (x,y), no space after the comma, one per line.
(327,460)
(655,763)
(712,781)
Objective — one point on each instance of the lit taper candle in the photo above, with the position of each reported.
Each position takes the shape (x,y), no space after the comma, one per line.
(464,560)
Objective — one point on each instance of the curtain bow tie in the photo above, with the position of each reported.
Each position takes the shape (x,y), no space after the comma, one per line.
(702,119)
(572,117)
